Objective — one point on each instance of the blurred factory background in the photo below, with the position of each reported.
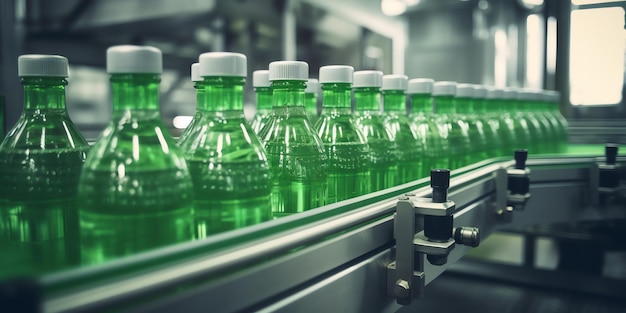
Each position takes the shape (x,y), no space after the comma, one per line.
(575,47)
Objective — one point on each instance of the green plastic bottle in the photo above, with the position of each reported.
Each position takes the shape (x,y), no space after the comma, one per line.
(453,130)
(465,99)
(409,149)
(344,143)
(508,109)
(263,91)
(40,163)
(310,99)
(298,164)
(423,123)
(228,165)
(523,104)
(490,122)
(135,191)
(370,120)
(196,79)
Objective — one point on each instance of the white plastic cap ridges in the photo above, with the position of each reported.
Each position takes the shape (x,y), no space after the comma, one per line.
(395,82)
(312,86)
(213,64)
(420,86)
(336,74)
(509,93)
(494,93)
(367,79)
(195,72)
(480,91)
(134,59)
(465,91)
(261,78)
(289,70)
(42,65)
(444,88)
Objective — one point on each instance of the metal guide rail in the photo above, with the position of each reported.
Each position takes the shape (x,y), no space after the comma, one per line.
(335,258)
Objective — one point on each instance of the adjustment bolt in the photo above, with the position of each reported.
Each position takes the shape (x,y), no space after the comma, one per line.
(467,236)
(402,288)
(520,158)
(610,151)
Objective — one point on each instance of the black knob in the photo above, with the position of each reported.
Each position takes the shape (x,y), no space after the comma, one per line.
(440,181)
(520,158)
(610,151)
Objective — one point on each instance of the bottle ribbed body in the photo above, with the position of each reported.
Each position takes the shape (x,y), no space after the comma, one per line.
(310,103)
(409,149)
(423,124)
(475,129)
(227,162)
(135,191)
(345,145)
(298,163)
(490,123)
(40,163)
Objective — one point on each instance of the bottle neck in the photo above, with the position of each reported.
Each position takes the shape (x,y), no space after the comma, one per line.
(222,94)
(263,98)
(367,99)
(310,102)
(336,95)
(464,105)
(135,91)
(421,103)
(199,86)
(445,104)
(288,93)
(394,100)
(44,92)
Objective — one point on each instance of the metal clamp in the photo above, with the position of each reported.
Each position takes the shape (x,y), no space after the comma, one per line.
(405,276)
(518,181)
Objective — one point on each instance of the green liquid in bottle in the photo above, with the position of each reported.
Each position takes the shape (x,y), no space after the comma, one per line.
(2,109)
(409,148)
(135,192)
(423,123)
(345,145)
(40,163)
(454,131)
(264,108)
(227,162)
(310,100)
(298,164)
(475,129)
(490,124)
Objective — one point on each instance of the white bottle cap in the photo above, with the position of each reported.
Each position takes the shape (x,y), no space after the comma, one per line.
(336,74)
(395,82)
(509,93)
(289,70)
(195,72)
(465,91)
(42,65)
(312,86)
(444,88)
(480,91)
(367,79)
(134,59)
(494,93)
(420,85)
(261,78)
(214,64)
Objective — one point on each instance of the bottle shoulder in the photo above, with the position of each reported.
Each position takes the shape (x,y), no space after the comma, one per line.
(339,128)
(44,130)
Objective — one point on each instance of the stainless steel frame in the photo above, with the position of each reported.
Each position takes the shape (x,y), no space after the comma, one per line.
(328,262)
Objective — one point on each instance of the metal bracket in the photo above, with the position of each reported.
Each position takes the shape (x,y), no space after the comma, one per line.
(518,182)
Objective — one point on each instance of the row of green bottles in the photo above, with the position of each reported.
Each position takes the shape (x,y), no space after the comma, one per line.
(40,164)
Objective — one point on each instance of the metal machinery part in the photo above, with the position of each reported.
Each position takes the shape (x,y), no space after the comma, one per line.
(606,176)
(333,258)
(405,279)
